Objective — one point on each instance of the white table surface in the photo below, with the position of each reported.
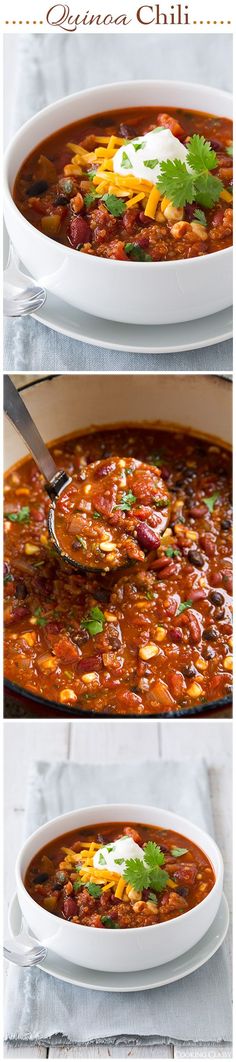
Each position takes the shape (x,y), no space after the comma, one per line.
(41,68)
(98,741)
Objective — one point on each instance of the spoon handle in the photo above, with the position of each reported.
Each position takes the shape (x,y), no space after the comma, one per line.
(18,414)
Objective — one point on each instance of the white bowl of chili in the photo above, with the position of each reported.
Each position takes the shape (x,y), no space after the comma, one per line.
(129,949)
(140,292)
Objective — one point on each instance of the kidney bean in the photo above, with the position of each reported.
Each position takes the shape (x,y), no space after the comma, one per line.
(177,684)
(104,468)
(176,634)
(147,538)
(89,663)
(195,628)
(70,907)
(78,232)
(216,145)
(198,595)
(216,578)
(207,542)
(197,511)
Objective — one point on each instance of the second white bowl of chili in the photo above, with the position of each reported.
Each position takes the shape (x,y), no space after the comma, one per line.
(98,261)
(133,945)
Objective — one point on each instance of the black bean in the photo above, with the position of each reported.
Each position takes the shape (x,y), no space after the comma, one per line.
(182,890)
(216,598)
(210,634)
(196,558)
(208,653)
(61,200)
(225,525)
(37,188)
(219,614)
(57,886)
(40,878)
(189,671)
(21,590)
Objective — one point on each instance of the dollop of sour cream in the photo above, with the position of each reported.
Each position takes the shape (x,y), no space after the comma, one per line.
(113,856)
(154,148)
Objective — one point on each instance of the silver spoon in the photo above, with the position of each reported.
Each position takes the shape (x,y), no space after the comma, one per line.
(24,950)
(21,294)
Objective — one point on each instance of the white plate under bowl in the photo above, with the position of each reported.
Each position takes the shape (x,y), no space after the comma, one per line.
(136,339)
(132,982)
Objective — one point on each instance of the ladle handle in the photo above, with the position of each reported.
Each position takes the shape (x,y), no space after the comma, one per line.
(18,414)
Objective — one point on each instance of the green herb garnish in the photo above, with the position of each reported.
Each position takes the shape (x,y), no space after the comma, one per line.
(229,150)
(200,216)
(108,922)
(21,517)
(89,198)
(94,890)
(152,896)
(81,541)
(210,502)
(176,852)
(94,622)
(137,252)
(151,163)
(40,618)
(160,503)
(170,552)
(115,205)
(182,185)
(101,859)
(138,146)
(142,875)
(126,502)
(119,862)
(183,606)
(8,578)
(125,161)
(96,515)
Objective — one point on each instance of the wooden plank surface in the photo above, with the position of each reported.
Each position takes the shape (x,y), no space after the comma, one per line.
(102,741)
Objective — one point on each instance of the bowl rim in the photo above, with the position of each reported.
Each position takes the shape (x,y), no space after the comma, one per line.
(50,109)
(160,926)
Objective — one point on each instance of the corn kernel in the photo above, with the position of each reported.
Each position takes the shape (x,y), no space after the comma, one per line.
(195,690)
(30,550)
(228,663)
(90,676)
(44,538)
(107,547)
(160,634)
(201,664)
(67,695)
(110,617)
(29,637)
(147,651)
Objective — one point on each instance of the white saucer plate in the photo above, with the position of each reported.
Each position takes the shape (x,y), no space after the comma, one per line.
(132,982)
(136,339)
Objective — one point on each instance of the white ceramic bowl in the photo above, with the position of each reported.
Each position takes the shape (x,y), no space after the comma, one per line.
(122,950)
(129,292)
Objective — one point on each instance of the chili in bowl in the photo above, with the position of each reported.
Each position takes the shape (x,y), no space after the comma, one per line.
(128,211)
(145,873)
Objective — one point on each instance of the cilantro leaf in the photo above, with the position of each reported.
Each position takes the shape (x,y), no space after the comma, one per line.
(138,146)
(200,154)
(153,855)
(152,896)
(115,205)
(93,889)
(119,862)
(108,922)
(21,517)
(210,502)
(176,852)
(8,578)
(183,606)
(200,216)
(40,618)
(160,503)
(77,885)
(101,860)
(158,879)
(125,161)
(137,252)
(175,182)
(151,163)
(89,197)
(207,189)
(137,874)
(94,622)
(126,502)
(229,150)
(170,552)
(96,516)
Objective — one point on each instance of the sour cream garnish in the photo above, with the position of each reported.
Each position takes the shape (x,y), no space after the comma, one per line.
(125,848)
(154,148)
